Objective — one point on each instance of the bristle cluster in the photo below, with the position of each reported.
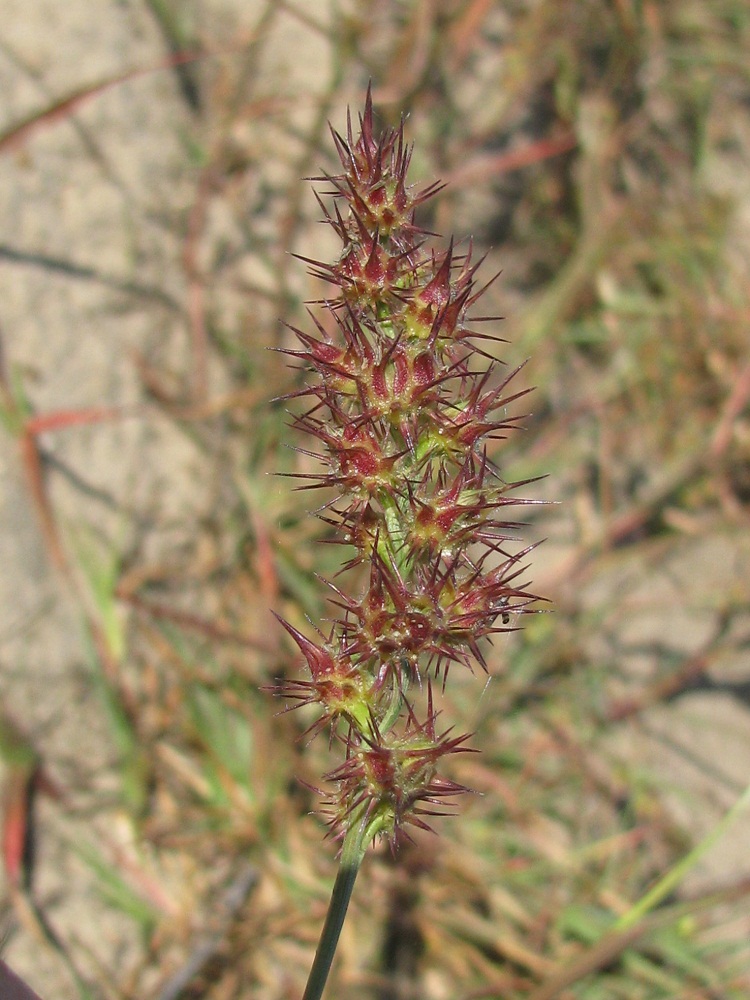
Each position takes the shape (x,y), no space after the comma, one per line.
(404,404)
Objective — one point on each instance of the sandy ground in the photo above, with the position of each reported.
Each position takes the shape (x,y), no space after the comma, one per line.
(90,273)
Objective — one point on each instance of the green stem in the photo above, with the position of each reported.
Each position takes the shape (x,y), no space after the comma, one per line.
(352,852)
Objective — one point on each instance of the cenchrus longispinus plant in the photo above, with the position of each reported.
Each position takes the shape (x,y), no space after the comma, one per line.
(405,405)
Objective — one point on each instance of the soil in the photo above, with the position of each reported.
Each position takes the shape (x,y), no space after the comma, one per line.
(92,210)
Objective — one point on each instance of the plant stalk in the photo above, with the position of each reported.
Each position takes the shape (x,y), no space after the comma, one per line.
(352,852)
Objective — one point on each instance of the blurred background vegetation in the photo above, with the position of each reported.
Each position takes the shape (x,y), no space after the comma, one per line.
(597,152)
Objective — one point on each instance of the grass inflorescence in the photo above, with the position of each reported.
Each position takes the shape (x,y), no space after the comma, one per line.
(403,415)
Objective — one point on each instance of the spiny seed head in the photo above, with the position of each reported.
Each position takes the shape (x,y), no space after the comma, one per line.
(403,405)
(393,778)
